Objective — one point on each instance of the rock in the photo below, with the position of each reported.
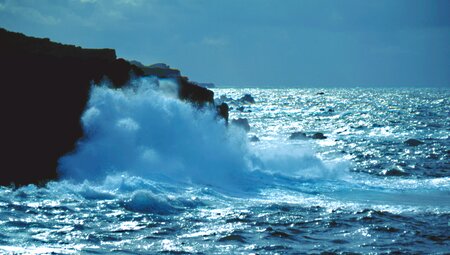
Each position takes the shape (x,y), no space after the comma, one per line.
(241,122)
(254,139)
(394,172)
(298,136)
(319,136)
(232,237)
(224,98)
(45,88)
(247,98)
(160,70)
(47,85)
(240,108)
(413,142)
(320,93)
(223,111)
(193,93)
(208,85)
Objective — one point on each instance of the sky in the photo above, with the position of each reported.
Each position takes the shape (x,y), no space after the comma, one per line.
(295,43)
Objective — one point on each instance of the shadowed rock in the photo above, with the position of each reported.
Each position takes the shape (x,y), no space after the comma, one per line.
(394,172)
(247,98)
(254,139)
(413,142)
(223,111)
(45,88)
(160,70)
(319,136)
(233,238)
(297,136)
(194,93)
(241,122)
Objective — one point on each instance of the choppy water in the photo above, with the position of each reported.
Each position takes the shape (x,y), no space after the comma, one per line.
(157,176)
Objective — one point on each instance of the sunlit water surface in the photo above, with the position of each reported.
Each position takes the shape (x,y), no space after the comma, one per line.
(360,190)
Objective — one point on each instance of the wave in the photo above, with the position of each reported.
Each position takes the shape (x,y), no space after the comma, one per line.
(144,130)
(144,146)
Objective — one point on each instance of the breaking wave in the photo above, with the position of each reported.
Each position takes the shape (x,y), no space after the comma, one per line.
(144,130)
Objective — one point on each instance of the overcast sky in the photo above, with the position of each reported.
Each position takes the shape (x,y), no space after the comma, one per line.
(257,42)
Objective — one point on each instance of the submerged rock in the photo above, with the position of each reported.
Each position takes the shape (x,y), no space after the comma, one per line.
(413,142)
(247,98)
(241,122)
(254,139)
(298,136)
(394,172)
(232,237)
(319,136)
(224,98)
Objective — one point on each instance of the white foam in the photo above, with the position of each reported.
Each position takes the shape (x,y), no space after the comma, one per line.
(143,132)
(297,161)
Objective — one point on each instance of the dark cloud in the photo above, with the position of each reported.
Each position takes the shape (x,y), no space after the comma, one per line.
(258,42)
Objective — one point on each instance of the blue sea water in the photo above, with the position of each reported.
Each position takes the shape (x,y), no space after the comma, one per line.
(156,175)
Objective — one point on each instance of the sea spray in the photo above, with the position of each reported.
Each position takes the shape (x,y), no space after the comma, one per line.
(297,161)
(146,132)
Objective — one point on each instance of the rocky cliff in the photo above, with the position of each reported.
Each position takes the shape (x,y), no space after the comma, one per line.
(44,91)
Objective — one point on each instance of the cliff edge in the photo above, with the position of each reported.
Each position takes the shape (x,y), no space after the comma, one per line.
(44,90)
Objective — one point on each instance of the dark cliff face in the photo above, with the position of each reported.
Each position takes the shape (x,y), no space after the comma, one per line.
(44,90)
(194,93)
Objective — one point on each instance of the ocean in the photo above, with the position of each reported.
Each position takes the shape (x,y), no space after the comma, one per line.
(334,171)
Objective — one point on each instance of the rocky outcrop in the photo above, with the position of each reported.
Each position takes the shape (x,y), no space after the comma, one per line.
(160,70)
(198,95)
(208,85)
(303,136)
(44,90)
(298,136)
(319,136)
(393,172)
(45,87)
(254,139)
(223,111)
(242,123)
(247,98)
(413,142)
